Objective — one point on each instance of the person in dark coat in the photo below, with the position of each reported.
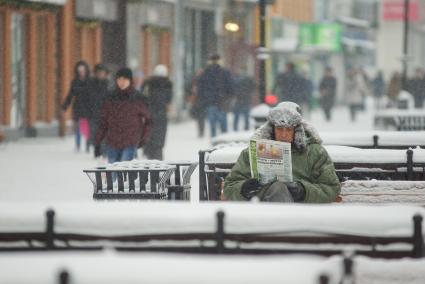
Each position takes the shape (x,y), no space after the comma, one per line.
(416,86)
(245,88)
(158,91)
(215,90)
(99,87)
(327,92)
(289,86)
(125,121)
(378,86)
(78,96)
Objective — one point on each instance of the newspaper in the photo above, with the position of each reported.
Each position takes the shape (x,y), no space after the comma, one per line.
(270,160)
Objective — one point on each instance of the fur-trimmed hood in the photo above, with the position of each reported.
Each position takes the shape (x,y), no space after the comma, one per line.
(287,114)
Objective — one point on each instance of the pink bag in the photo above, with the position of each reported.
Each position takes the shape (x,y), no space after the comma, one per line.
(85,128)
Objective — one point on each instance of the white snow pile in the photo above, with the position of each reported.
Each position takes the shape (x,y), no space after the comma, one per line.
(261,111)
(374,191)
(144,218)
(229,137)
(126,268)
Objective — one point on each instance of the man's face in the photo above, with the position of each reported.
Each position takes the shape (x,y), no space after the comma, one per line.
(101,75)
(123,83)
(82,71)
(284,134)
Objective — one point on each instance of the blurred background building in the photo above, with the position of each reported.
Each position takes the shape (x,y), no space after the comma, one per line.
(41,40)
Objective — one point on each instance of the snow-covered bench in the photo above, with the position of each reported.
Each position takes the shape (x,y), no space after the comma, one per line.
(350,164)
(235,228)
(142,180)
(364,139)
(117,267)
(401,120)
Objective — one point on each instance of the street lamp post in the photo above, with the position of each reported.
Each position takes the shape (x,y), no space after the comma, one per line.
(262,49)
(405,42)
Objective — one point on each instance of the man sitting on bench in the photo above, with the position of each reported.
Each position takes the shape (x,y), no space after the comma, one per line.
(314,177)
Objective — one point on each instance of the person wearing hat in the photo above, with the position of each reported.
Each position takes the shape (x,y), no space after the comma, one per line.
(314,177)
(158,91)
(125,121)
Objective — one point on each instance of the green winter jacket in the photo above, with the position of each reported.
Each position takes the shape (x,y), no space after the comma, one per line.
(312,167)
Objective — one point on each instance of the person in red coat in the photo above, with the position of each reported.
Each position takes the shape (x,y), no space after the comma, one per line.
(125,121)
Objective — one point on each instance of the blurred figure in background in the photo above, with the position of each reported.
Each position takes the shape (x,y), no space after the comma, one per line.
(99,88)
(327,90)
(215,90)
(197,110)
(288,86)
(355,90)
(125,121)
(394,88)
(416,86)
(306,94)
(245,89)
(158,91)
(378,86)
(79,96)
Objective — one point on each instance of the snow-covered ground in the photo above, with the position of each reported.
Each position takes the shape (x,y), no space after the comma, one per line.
(48,169)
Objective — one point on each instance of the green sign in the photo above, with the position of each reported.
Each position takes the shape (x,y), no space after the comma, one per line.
(326,37)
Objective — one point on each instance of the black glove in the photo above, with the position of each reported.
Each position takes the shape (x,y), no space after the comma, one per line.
(297,190)
(97,152)
(250,188)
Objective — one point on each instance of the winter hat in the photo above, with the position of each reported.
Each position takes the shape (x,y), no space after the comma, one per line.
(160,71)
(100,67)
(288,114)
(285,114)
(125,73)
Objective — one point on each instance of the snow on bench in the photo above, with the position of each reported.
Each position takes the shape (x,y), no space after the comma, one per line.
(399,119)
(226,226)
(364,139)
(112,268)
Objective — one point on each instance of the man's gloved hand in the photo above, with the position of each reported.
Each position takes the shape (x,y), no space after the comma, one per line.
(97,152)
(250,188)
(297,190)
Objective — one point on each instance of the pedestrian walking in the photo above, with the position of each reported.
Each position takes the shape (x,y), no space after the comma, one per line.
(78,96)
(98,92)
(125,121)
(394,88)
(245,89)
(416,86)
(327,90)
(378,86)
(355,91)
(158,91)
(288,86)
(198,109)
(215,90)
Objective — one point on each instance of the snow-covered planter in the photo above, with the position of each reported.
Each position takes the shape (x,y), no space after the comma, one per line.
(149,179)
(400,119)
